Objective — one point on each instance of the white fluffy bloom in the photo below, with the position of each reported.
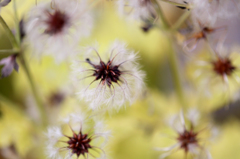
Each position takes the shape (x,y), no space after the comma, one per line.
(208,11)
(110,80)
(189,137)
(81,137)
(55,28)
(218,72)
(137,9)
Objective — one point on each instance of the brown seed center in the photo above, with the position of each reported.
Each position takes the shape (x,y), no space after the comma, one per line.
(79,144)
(55,22)
(187,138)
(223,66)
(107,73)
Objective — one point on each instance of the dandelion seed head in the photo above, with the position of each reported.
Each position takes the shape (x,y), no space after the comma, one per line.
(112,79)
(77,141)
(55,22)
(188,137)
(56,27)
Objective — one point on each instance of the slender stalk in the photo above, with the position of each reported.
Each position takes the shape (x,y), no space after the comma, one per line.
(9,33)
(173,57)
(181,20)
(16,23)
(161,15)
(176,76)
(8,52)
(34,90)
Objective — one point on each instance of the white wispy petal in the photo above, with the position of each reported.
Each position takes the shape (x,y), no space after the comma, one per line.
(97,93)
(61,45)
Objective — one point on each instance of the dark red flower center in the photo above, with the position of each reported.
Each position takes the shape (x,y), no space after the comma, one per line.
(187,138)
(223,66)
(79,143)
(56,22)
(107,73)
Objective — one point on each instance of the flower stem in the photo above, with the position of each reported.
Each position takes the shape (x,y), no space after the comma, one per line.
(181,20)
(172,56)
(34,90)
(161,15)
(8,52)
(9,33)
(16,23)
(176,77)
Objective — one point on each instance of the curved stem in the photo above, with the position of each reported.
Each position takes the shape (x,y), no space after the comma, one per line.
(9,33)
(34,90)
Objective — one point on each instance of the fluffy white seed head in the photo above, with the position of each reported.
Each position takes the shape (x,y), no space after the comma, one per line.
(187,135)
(75,131)
(55,28)
(110,80)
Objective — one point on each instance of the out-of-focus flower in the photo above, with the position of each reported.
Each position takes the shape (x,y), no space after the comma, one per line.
(137,9)
(9,64)
(219,72)
(87,136)
(191,43)
(111,81)
(189,136)
(208,11)
(55,28)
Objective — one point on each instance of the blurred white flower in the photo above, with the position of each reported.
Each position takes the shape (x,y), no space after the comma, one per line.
(188,137)
(218,72)
(110,81)
(201,33)
(137,9)
(83,137)
(209,11)
(55,28)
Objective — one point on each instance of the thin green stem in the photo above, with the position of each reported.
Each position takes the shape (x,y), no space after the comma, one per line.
(16,23)
(34,90)
(181,20)
(172,55)
(9,33)
(176,76)
(8,52)
(161,15)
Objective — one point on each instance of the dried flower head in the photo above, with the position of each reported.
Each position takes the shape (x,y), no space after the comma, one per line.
(201,34)
(188,136)
(83,139)
(55,28)
(208,11)
(218,72)
(111,81)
